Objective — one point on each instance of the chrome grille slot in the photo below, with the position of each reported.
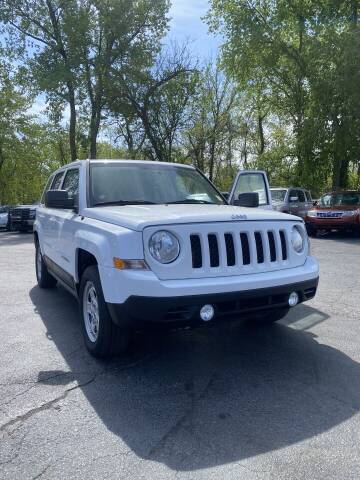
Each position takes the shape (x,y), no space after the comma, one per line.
(283,244)
(196,252)
(259,247)
(272,247)
(245,248)
(213,250)
(230,249)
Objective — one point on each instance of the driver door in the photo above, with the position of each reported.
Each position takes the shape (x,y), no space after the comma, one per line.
(250,181)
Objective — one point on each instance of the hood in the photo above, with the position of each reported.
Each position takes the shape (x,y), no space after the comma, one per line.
(32,207)
(137,217)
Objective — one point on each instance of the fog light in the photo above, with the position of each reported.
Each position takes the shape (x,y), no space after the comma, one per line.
(293,299)
(207,312)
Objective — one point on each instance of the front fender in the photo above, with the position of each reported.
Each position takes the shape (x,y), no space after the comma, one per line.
(104,245)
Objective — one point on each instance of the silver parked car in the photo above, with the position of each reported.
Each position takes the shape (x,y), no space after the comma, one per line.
(294,200)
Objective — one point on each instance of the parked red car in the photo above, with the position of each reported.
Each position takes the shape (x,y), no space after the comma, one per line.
(335,211)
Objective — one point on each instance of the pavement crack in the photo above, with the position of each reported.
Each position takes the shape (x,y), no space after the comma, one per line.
(40,474)
(45,406)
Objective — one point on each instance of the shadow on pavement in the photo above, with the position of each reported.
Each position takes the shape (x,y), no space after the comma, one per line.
(15,238)
(212,396)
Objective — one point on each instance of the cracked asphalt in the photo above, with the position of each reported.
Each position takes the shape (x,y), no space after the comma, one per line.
(229,402)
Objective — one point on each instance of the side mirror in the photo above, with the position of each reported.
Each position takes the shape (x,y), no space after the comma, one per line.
(58,199)
(250,199)
(315,202)
(294,199)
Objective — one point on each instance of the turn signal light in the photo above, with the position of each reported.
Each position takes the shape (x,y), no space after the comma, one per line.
(121,264)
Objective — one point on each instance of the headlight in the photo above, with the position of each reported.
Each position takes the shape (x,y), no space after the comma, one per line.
(312,213)
(349,213)
(298,239)
(164,246)
(32,214)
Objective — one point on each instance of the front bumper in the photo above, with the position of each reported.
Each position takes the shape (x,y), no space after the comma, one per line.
(142,311)
(345,223)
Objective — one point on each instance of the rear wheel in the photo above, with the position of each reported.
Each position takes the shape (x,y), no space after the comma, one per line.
(102,337)
(273,316)
(44,279)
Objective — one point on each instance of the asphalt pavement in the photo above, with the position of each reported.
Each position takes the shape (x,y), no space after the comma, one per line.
(230,402)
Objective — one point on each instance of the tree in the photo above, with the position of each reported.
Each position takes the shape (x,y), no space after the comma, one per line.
(158,97)
(214,123)
(53,31)
(76,45)
(293,52)
(121,36)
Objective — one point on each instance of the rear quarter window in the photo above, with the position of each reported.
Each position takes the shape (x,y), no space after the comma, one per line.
(57,181)
(71,182)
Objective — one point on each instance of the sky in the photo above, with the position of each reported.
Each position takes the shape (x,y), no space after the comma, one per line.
(186,24)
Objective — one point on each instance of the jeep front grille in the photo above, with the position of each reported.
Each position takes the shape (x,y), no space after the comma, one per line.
(329,214)
(223,249)
(21,213)
(264,245)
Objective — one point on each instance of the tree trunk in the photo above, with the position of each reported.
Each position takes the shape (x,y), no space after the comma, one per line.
(212,159)
(94,130)
(354,12)
(72,127)
(261,135)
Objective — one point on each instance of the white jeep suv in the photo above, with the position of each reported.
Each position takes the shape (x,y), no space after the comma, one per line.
(147,243)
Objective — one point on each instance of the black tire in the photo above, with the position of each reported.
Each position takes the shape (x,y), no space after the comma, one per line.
(312,231)
(273,316)
(44,279)
(105,339)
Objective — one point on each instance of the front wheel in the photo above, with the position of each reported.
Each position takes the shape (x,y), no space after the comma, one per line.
(102,337)
(44,279)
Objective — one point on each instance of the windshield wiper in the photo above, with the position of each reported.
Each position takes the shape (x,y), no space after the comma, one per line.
(124,202)
(191,200)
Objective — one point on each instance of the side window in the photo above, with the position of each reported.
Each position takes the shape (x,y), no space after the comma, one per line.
(308,196)
(292,193)
(47,187)
(71,182)
(301,196)
(252,182)
(57,181)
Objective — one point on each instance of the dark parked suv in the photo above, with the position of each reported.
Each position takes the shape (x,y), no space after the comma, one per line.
(22,218)
(294,200)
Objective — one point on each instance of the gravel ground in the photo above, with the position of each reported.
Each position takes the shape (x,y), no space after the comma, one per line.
(225,403)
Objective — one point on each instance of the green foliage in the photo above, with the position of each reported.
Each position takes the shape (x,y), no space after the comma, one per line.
(283,98)
(302,58)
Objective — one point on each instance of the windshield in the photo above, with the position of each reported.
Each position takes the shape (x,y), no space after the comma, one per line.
(340,199)
(278,195)
(139,183)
